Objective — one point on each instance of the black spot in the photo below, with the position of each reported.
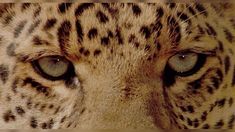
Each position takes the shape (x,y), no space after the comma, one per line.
(81,50)
(195,84)
(183,17)
(172,5)
(231,122)
(195,123)
(97,52)
(219,124)
(8,116)
(145,31)
(191,10)
(63,7)
(4,73)
(210,30)
(79,30)
(92,33)
(201,9)
(11,49)
(82,7)
(44,125)
(147,47)
(104,40)
(34,26)
(229,36)
(110,34)
(37,12)
(136,10)
(63,119)
(174,29)
(221,103)
(233,81)
(200,30)
(230,102)
(216,82)
(159,13)
(86,53)
(189,122)
(25,6)
(20,110)
(102,17)
(38,86)
(64,33)
(119,37)
(221,46)
(157,28)
(7,19)
(51,106)
(33,122)
(50,124)
(204,116)
(190,109)
(227,64)
(183,109)
(50,23)
(19,28)
(181,117)
(38,41)
(205,126)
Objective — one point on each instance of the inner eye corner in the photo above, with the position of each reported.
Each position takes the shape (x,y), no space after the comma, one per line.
(53,67)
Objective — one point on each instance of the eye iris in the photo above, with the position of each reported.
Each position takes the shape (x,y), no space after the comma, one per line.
(183,62)
(53,66)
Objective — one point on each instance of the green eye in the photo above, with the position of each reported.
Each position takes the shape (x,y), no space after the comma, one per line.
(53,67)
(186,63)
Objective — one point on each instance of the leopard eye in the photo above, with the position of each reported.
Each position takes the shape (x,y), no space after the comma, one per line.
(53,67)
(186,63)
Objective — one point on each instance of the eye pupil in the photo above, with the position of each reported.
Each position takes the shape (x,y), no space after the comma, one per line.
(182,57)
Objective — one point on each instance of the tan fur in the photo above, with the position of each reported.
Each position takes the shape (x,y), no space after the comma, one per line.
(120,88)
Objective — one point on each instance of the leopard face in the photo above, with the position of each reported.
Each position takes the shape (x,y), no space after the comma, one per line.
(93,65)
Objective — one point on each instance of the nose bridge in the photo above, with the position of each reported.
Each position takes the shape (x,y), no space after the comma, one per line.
(114,97)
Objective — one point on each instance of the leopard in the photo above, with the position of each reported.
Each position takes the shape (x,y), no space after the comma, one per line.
(160,65)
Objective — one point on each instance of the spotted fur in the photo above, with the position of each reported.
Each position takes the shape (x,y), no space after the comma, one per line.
(119,53)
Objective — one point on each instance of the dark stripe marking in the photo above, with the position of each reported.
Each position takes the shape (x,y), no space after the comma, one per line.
(233,81)
(63,7)
(229,36)
(4,73)
(64,33)
(136,10)
(227,64)
(8,116)
(92,33)
(145,31)
(102,17)
(81,8)
(25,6)
(201,9)
(79,30)
(38,86)
(50,23)
(34,26)
(19,28)
(33,122)
(38,41)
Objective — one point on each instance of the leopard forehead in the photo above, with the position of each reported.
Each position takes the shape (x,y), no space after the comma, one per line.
(91,28)
(117,41)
